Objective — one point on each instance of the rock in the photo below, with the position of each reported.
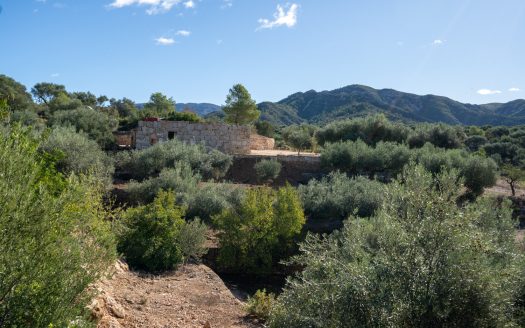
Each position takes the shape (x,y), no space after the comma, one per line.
(115,308)
(108,322)
(207,325)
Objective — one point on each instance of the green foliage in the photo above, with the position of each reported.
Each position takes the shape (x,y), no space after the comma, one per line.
(337,197)
(80,155)
(421,261)
(255,234)
(56,241)
(439,135)
(389,159)
(267,170)
(151,161)
(260,304)
(300,137)
(149,237)
(212,199)
(192,239)
(159,105)
(45,92)
(63,102)
(265,128)
(97,125)
(180,179)
(240,108)
(185,116)
(15,94)
(475,142)
(371,130)
(513,176)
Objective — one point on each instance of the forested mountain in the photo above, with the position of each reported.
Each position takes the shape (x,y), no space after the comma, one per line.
(358,100)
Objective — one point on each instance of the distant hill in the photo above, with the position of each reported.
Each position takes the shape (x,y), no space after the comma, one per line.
(358,100)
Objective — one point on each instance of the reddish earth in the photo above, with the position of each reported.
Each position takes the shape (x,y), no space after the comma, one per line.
(191,297)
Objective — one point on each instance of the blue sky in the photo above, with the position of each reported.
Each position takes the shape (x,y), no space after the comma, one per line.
(195,50)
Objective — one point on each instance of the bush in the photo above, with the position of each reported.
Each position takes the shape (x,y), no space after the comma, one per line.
(55,239)
(267,170)
(254,235)
(439,135)
(150,234)
(97,125)
(192,239)
(151,161)
(180,180)
(185,116)
(421,261)
(337,197)
(370,130)
(300,137)
(260,304)
(80,154)
(211,199)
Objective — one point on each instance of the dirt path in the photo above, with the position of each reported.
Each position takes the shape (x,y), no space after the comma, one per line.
(193,296)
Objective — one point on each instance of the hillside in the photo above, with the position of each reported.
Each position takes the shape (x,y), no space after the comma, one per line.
(358,100)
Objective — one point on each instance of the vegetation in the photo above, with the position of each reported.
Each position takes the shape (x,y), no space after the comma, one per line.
(151,161)
(260,304)
(185,116)
(150,234)
(513,176)
(192,239)
(78,154)
(159,105)
(337,197)
(257,234)
(267,170)
(421,261)
(58,240)
(300,137)
(240,108)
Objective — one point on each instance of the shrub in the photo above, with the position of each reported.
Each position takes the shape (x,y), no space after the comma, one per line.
(337,196)
(187,116)
(192,239)
(260,304)
(97,125)
(421,261)
(371,130)
(55,239)
(440,135)
(80,154)
(253,234)
(149,238)
(267,170)
(265,128)
(211,199)
(180,180)
(300,137)
(151,161)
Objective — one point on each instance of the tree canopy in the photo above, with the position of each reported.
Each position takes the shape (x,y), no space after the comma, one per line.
(240,108)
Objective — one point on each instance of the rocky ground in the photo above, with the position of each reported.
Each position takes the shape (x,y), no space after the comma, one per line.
(193,296)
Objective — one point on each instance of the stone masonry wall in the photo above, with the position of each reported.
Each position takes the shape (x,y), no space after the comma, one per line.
(231,139)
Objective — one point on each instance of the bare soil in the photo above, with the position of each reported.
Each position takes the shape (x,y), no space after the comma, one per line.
(193,296)
(502,188)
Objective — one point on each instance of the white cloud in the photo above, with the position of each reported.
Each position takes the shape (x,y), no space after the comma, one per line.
(55,75)
(438,42)
(155,6)
(488,92)
(227,4)
(183,33)
(281,17)
(162,41)
(189,4)
(514,89)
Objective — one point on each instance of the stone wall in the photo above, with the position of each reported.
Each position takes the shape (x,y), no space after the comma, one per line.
(231,139)
(258,142)
(125,139)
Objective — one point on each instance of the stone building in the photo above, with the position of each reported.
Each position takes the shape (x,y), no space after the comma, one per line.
(230,139)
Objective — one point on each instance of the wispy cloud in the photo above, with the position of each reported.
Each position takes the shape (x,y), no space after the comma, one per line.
(162,41)
(227,4)
(284,16)
(183,33)
(189,4)
(154,6)
(488,92)
(514,89)
(55,75)
(438,42)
